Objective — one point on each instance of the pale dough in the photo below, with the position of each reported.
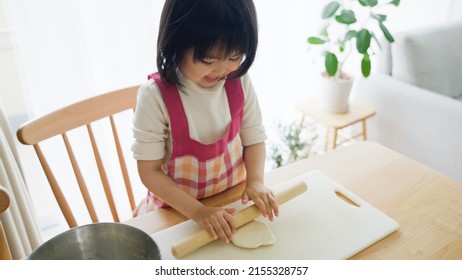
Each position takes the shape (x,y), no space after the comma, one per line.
(253,235)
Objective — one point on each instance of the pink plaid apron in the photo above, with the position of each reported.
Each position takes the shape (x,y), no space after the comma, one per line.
(200,169)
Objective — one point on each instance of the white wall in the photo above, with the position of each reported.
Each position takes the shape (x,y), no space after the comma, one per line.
(12,99)
(420,13)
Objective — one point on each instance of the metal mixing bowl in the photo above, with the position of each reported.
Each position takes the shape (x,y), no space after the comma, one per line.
(99,241)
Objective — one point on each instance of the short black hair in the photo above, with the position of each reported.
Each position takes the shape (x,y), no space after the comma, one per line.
(230,25)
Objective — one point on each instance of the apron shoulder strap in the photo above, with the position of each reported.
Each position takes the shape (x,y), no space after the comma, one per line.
(235,95)
(176,113)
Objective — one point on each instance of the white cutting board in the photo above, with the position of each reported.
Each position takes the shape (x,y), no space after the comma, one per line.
(315,225)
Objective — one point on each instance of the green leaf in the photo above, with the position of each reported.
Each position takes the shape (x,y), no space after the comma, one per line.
(346,17)
(395,2)
(330,9)
(363,41)
(316,41)
(366,65)
(350,34)
(379,17)
(386,33)
(370,3)
(331,64)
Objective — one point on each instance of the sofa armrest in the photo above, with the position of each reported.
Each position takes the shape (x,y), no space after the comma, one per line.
(423,125)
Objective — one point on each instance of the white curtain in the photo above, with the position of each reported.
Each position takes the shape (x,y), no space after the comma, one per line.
(19,220)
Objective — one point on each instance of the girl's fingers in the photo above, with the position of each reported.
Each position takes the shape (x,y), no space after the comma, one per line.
(230,220)
(218,226)
(230,210)
(228,232)
(211,231)
(262,206)
(269,209)
(245,198)
(268,206)
(274,204)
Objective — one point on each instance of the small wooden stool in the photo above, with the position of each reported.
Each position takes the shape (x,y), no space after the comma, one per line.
(335,122)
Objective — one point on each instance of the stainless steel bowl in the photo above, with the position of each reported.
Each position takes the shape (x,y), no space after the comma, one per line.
(99,241)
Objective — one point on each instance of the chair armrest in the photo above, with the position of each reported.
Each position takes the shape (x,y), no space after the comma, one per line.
(4,199)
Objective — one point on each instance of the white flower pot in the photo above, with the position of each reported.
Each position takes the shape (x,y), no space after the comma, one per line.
(334,95)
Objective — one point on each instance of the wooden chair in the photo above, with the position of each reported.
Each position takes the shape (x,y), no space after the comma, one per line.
(83,115)
(5,253)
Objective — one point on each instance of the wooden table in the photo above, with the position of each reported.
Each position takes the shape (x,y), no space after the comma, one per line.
(426,204)
(335,122)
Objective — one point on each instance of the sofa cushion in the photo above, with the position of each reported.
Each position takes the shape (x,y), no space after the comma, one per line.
(430,58)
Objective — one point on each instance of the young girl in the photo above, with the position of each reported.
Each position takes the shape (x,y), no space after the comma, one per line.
(198,127)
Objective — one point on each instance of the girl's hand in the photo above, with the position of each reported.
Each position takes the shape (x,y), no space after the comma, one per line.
(218,222)
(263,197)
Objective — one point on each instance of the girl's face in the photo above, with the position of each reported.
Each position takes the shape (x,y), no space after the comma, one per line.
(207,72)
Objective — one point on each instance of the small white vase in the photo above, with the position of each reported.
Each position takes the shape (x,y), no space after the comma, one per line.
(335,94)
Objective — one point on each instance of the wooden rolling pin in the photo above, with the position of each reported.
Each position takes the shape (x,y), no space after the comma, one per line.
(242,217)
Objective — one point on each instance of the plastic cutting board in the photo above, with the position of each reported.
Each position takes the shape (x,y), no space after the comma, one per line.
(317,224)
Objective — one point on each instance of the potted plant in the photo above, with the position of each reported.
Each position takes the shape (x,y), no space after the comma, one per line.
(343,33)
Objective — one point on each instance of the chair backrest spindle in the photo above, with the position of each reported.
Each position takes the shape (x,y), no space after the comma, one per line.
(123,166)
(80,181)
(103,174)
(55,188)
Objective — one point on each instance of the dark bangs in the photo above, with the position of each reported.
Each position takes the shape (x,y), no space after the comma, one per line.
(229,26)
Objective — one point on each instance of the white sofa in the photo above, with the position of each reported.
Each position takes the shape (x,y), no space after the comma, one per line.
(418,97)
